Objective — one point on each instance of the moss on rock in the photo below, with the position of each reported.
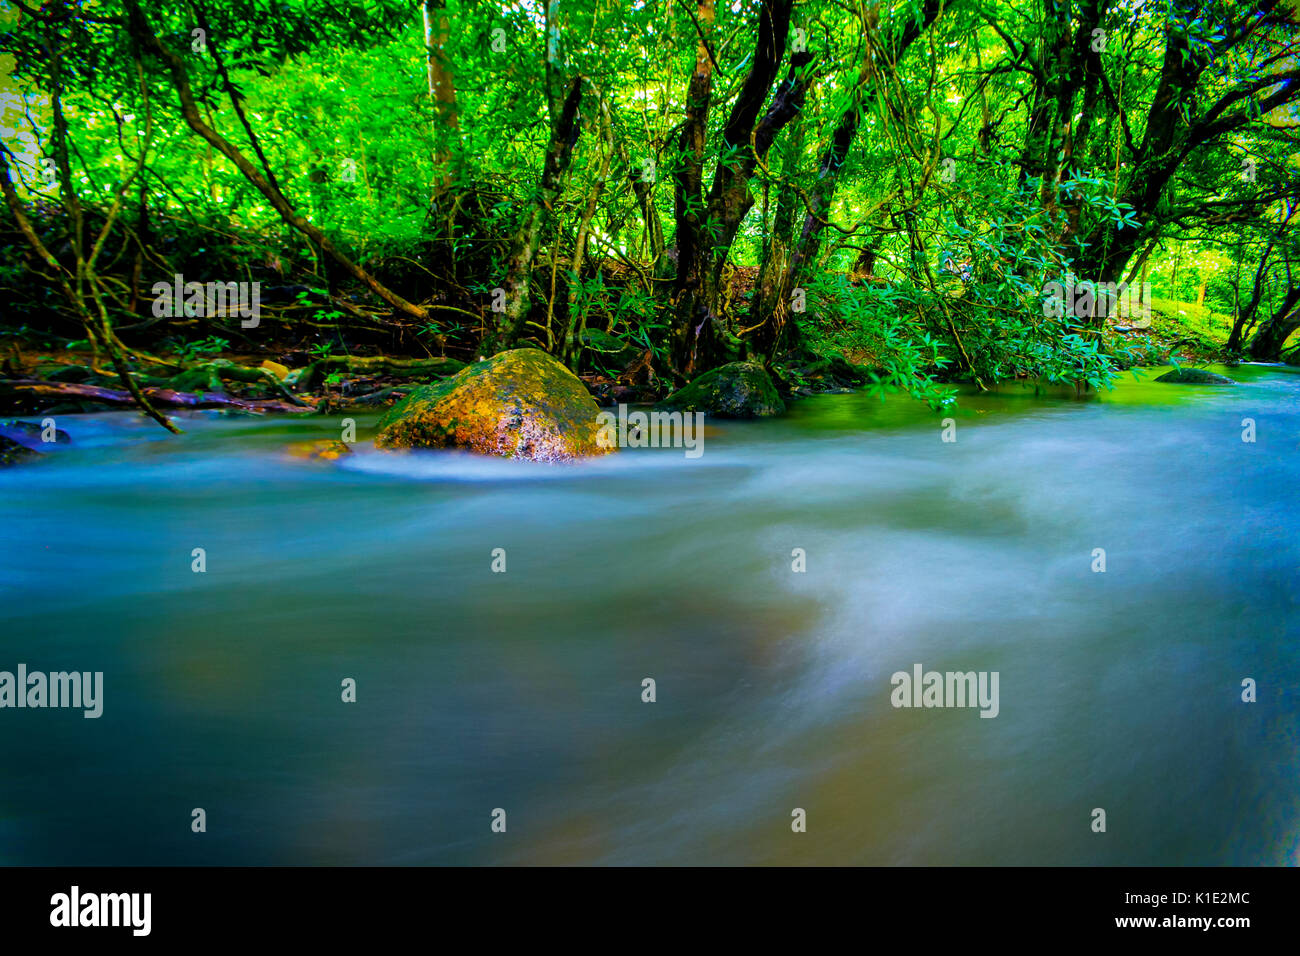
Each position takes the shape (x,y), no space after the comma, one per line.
(519,404)
(325,450)
(12,453)
(738,390)
(1195,376)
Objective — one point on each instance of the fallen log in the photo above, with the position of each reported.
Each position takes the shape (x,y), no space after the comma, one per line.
(304,378)
(382,363)
(70,391)
(211,374)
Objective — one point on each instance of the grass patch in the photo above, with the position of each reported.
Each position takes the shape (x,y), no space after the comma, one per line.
(1171,318)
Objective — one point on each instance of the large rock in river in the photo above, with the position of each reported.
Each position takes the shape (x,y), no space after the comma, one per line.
(1195,376)
(738,390)
(519,404)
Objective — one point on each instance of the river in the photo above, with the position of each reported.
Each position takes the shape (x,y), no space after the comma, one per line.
(522,691)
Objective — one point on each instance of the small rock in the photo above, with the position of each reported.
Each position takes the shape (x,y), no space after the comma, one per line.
(12,453)
(67,373)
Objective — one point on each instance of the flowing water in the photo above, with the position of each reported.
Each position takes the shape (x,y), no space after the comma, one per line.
(1120,690)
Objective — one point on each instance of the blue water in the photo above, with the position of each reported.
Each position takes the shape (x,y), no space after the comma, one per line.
(523,690)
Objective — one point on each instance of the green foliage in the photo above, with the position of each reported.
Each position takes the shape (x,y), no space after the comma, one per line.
(435,196)
(188,351)
(869,325)
(1174,319)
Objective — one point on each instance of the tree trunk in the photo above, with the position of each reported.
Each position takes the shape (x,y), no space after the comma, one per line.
(701,338)
(808,243)
(564,134)
(689,185)
(442,92)
(1245,321)
(1272,335)
(770,309)
(571,341)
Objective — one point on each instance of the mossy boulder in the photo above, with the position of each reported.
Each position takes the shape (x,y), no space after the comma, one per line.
(519,404)
(1195,376)
(738,390)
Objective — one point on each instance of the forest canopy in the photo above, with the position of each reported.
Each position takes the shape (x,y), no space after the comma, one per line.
(926,192)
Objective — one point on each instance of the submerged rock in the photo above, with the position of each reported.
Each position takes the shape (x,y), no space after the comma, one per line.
(519,404)
(326,450)
(738,390)
(1195,376)
(12,453)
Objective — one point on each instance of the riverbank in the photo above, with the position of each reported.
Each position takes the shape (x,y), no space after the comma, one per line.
(48,380)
